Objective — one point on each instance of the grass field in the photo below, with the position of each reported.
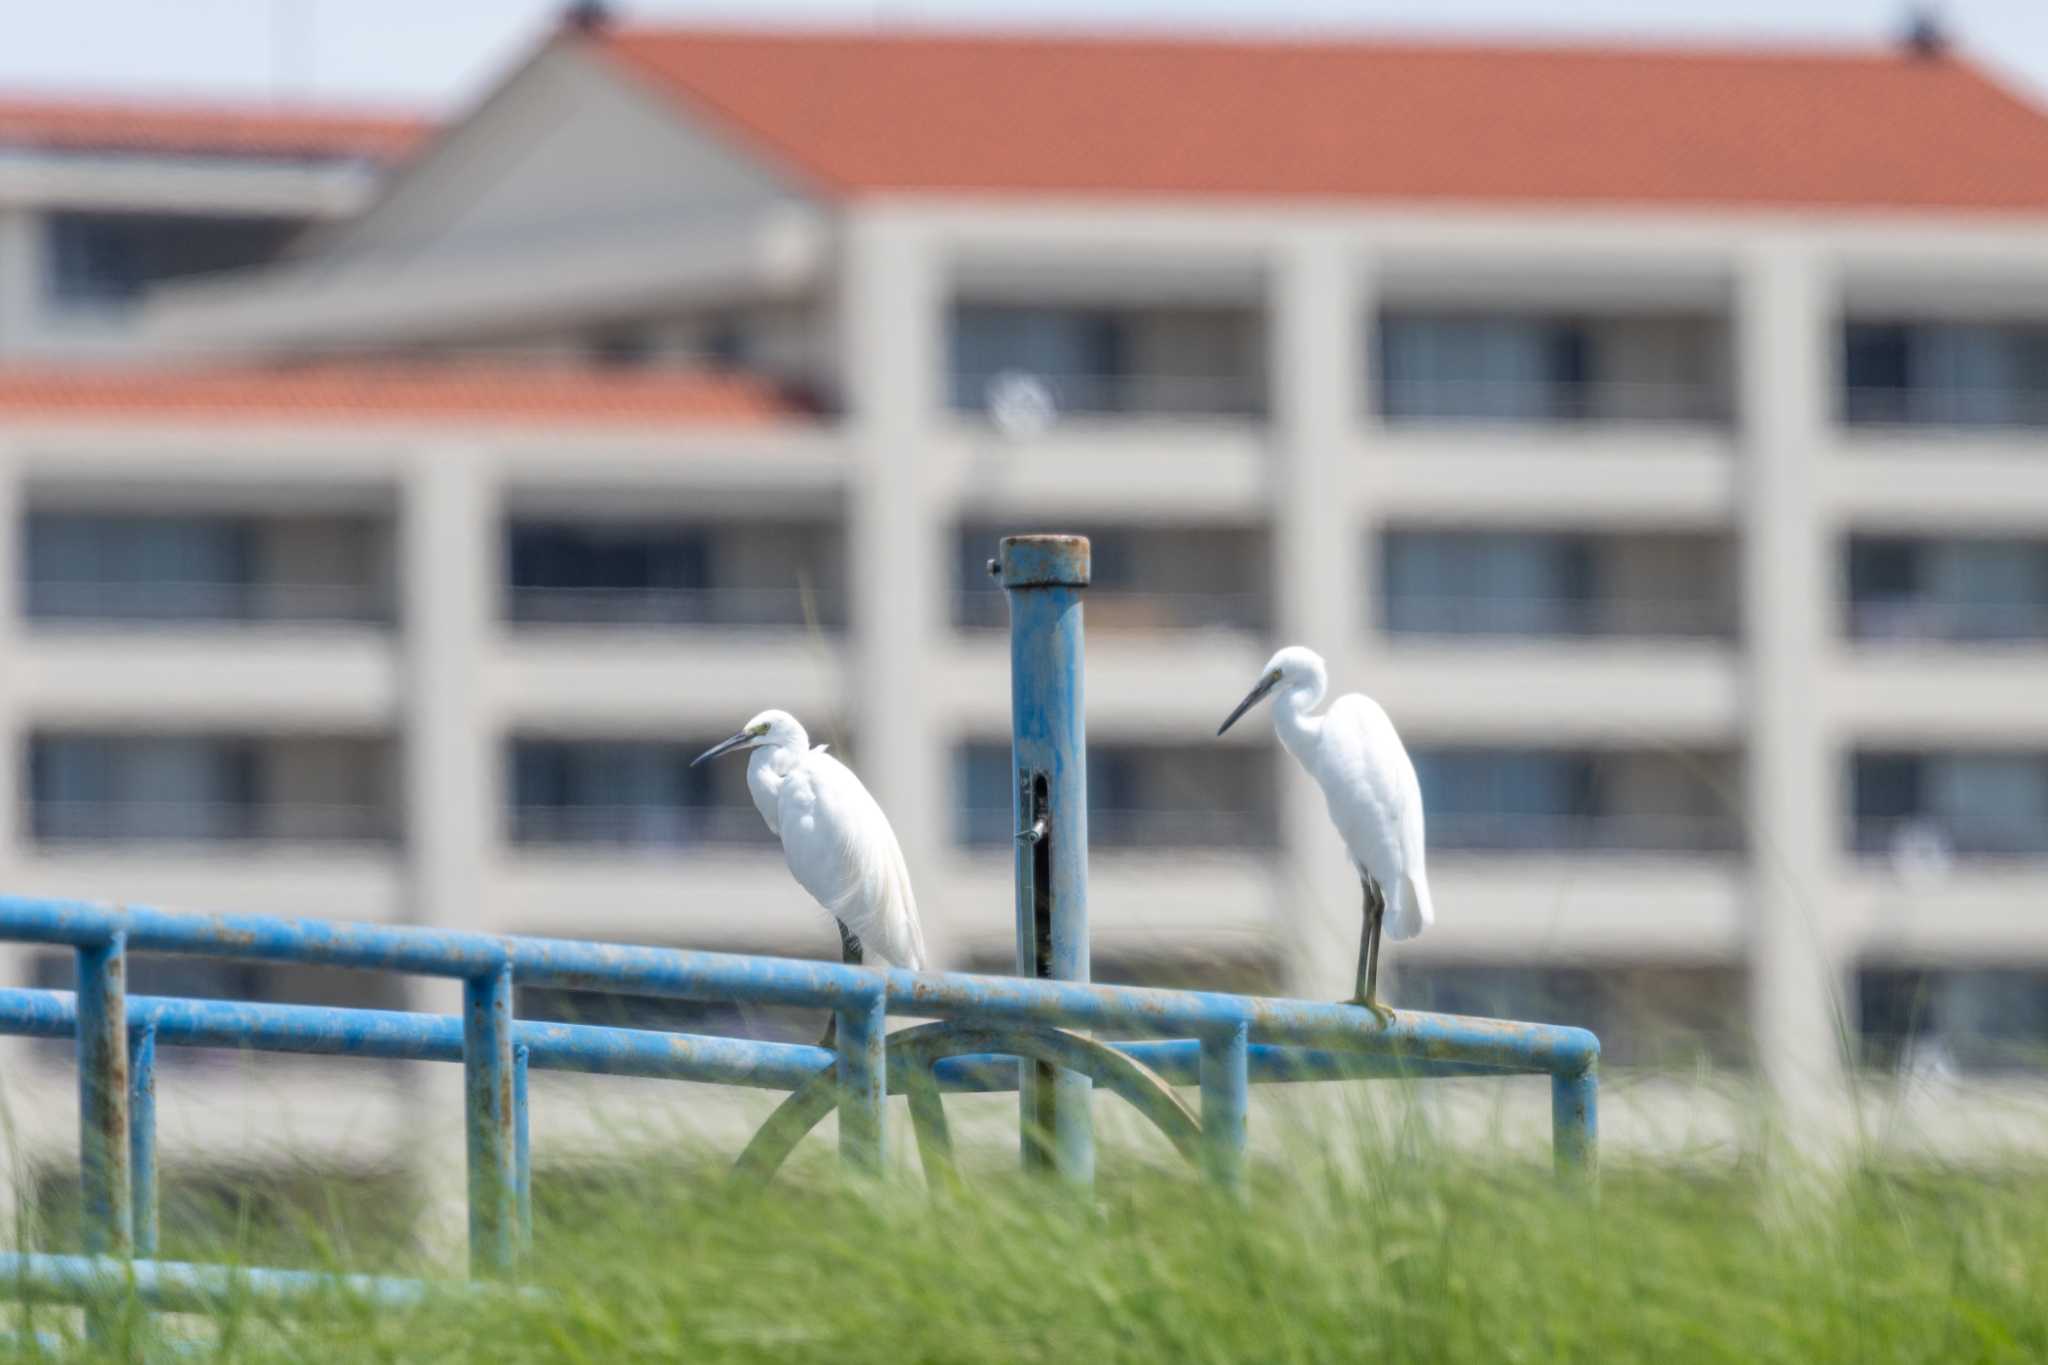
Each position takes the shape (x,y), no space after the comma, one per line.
(1429,1260)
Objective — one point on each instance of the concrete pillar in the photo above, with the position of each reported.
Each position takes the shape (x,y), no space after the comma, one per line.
(1786,321)
(1317,322)
(16,1066)
(449,557)
(448,571)
(891,320)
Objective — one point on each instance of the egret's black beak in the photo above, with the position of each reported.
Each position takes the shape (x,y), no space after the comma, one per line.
(725,746)
(1251,699)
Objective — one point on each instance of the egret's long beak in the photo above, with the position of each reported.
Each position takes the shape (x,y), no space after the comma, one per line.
(741,740)
(1251,699)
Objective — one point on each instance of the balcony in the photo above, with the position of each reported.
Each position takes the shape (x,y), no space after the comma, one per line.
(627,794)
(1563,801)
(1684,835)
(210,822)
(215,789)
(141,569)
(716,608)
(1141,797)
(1025,368)
(1947,590)
(771,576)
(1920,810)
(1193,578)
(1551,585)
(1939,374)
(1552,370)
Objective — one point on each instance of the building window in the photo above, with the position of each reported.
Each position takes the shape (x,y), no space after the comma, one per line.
(1958,590)
(631,793)
(140,568)
(1972,805)
(1646,1015)
(1559,800)
(1140,798)
(567,574)
(1080,354)
(1971,1020)
(109,260)
(1487,583)
(1482,368)
(1951,374)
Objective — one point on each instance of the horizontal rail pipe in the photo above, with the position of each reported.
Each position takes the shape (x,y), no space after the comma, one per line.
(1554,1049)
(394,1035)
(184,1286)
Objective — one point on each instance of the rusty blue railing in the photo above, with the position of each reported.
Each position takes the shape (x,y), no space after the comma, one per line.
(1035,1033)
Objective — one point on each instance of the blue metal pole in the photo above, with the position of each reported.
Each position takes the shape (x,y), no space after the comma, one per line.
(863,1083)
(142,1137)
(1226,1096)
(1575,1123)
(103,1133)
(493,1144)
(1044,577)
(522,1130)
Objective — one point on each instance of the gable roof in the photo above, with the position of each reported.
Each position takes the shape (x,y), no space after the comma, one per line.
(417,392)
(251,130)
(1396,121)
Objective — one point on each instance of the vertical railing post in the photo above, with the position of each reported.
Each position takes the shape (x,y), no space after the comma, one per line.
(1226,1095)
(522,1144)
(863,1081)
(1575,1124)
(1044,577)
(142,1137)
(106,1180)
(489,1116)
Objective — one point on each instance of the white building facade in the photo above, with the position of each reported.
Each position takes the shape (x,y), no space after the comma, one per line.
(1698,547)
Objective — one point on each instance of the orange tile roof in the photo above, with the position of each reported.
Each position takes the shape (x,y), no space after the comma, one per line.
(462,393)
(1392,121)
(251,130)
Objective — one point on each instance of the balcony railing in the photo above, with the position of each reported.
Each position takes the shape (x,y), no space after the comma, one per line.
(1593,617)
(174,602)
(1945,407)
(1028,400)
(1987,622)
(986,609)
(208,822)
(1550,401)
(1136,830)
(1457,831)
(737,608)
(1934,838)
(649,826)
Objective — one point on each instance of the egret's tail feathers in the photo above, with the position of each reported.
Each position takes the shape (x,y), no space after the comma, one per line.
(1411,911)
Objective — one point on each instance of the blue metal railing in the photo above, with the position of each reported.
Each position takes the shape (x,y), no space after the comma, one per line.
(1021,1034)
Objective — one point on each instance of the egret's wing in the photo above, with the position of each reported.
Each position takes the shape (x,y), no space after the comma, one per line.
(1370,786)
(841,849)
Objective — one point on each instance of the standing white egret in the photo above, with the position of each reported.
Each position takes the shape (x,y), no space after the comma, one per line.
(836,840)
(1369,784)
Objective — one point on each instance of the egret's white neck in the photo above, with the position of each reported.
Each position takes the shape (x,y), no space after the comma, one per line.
(1293,720)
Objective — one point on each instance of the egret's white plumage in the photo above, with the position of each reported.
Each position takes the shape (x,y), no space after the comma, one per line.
(1368,784)
(837,842)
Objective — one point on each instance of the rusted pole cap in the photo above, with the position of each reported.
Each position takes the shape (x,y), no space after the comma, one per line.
(1042,562)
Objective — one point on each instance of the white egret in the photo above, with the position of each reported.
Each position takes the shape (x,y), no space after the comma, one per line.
(1369,784)
(836,840)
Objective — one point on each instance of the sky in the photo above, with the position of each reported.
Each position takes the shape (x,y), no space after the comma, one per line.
(437,54)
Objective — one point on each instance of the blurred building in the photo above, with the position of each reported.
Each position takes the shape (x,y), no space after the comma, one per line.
(1657,434)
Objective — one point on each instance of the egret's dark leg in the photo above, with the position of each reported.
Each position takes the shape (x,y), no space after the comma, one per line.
(851,953)
(1367,986)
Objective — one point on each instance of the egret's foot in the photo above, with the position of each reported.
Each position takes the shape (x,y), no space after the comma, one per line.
(1384,1013)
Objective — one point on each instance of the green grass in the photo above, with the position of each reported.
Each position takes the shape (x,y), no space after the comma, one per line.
(1399,1262)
